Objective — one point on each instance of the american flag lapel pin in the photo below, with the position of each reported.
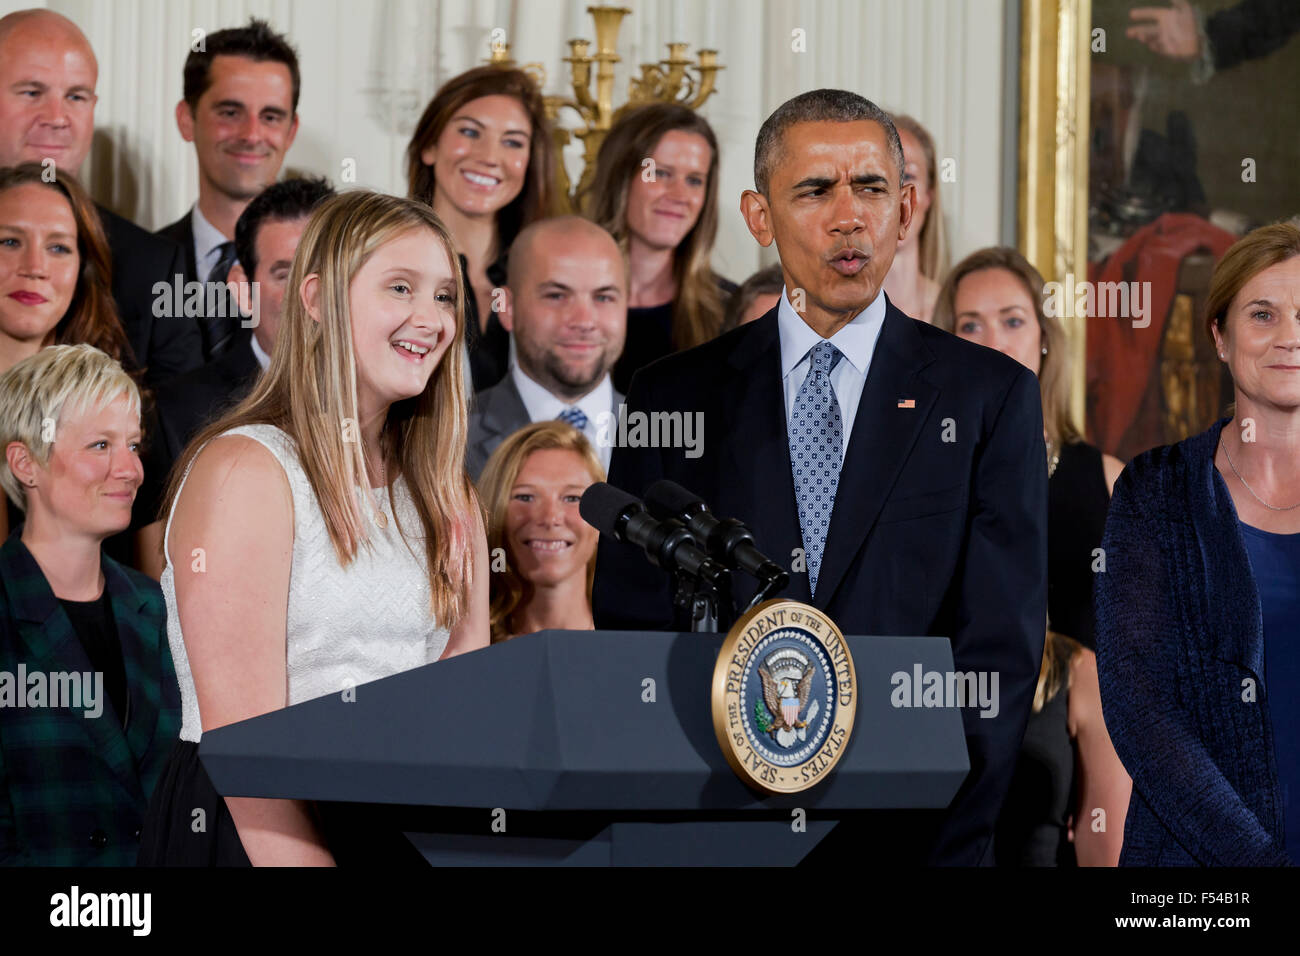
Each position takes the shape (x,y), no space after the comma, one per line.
(907,403)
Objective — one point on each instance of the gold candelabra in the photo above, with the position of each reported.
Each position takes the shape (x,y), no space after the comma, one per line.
(667,81)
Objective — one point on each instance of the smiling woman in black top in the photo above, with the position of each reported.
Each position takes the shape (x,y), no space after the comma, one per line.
(481,155)
(656,191)
(1067,765)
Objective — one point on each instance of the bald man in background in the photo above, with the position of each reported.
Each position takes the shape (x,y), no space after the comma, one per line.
(48,75)
(566,310)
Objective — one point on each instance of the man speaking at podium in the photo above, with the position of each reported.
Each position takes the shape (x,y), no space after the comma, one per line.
(897,471)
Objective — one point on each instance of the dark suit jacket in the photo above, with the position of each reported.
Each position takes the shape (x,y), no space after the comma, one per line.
(164,346)
(181,232)
(927,537)
(1179,628)
(217,332)
(190,401)
(74,789)
(1250,29)
(494,415)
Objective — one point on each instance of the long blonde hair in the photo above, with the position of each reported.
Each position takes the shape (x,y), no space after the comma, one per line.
(932,244)
(310,392)
(698,307)
(509,590)
(1059,652)
(1054,368)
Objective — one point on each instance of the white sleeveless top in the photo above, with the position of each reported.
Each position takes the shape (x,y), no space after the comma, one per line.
(345,626)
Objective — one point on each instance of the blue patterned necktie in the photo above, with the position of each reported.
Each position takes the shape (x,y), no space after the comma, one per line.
(816,451)
(574,416)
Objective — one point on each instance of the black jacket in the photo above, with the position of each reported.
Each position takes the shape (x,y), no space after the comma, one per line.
(939,528)
(164,346)
(218,332)
(190,401)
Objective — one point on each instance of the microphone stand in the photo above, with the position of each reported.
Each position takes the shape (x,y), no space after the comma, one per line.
(768,587)
(701,601)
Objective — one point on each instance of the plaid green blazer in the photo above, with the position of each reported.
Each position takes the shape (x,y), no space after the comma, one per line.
(74,789)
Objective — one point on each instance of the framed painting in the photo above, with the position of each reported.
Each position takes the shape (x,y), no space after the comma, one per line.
(1151,138)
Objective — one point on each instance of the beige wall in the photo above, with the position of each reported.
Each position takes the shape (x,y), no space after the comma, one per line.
(369,68)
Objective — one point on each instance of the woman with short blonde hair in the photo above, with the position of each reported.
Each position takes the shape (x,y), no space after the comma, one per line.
(511,484)
(78,773)
(324,533)
(655,190)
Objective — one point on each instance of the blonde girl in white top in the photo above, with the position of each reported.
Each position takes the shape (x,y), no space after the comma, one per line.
(324,533)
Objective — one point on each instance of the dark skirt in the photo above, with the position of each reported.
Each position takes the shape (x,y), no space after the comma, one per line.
(351,831)
(174,833)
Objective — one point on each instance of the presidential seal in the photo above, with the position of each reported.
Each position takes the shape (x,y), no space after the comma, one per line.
(784,696)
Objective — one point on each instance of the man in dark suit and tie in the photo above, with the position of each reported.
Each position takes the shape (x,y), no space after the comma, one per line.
(898,471)
(566,311)
(48,75)
(266,237)
(240,110)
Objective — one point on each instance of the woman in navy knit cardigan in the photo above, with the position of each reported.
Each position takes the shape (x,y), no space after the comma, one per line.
(1198,611)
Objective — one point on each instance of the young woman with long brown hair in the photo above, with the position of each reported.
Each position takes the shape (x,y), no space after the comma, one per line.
(55,280)
(482,157)
(655,190)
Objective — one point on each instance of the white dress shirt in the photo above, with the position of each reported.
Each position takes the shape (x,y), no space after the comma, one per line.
(263,359)
(856,341)
(542,406)
(207,242)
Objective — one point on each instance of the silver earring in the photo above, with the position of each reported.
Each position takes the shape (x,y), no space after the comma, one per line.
(1044,349)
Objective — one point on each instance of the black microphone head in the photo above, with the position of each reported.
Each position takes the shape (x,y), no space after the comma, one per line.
(667,499)
(603,506)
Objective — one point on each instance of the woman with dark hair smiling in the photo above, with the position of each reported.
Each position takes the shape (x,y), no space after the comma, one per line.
(1197,610)
(482,157)
(656,191)
(55,281)
(54,266)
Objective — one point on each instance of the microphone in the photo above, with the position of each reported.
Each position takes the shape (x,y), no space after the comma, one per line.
(667,544)
(727,540)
